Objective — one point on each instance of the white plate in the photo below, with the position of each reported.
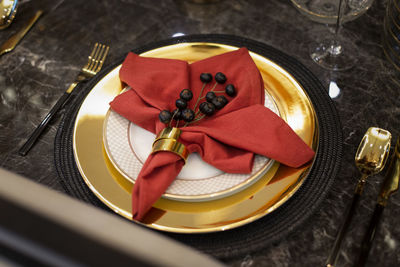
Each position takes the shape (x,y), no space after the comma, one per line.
(128,145)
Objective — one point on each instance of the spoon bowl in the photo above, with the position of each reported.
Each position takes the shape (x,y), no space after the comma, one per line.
(8,9)
(373,151)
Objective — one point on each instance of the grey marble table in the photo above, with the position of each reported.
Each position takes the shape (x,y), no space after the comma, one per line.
(34,76)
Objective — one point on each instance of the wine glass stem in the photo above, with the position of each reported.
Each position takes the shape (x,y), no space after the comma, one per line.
(335,48)
(339,15)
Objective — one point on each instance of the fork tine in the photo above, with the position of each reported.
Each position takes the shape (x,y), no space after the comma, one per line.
(91,56)
(102,59)
(96,59)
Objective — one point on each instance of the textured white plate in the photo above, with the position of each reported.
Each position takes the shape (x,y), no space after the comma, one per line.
(128,145)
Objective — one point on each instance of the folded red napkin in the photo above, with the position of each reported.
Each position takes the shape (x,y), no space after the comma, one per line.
(227,140)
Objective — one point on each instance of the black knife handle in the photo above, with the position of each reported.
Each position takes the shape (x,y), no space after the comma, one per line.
(370,235)
(39,129)
(343,230)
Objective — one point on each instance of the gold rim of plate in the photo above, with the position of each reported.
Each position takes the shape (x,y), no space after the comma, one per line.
(248,205)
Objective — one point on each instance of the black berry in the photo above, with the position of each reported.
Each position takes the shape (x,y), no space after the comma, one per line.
(230,90)
(178,114)
(210,96)
(220,101)
(186,94)
(220,77)
(165,116)
(180,103)
(206,77)
(207,108)
(187,115)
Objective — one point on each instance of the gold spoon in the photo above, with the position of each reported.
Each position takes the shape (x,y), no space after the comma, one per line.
(370,159)
(389,186)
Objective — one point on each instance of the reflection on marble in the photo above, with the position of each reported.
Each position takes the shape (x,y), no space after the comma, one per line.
(334,91)
(37,72)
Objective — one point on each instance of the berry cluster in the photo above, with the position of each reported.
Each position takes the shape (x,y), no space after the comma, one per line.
(207,108)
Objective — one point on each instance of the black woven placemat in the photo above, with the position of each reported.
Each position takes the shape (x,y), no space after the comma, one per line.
(271,228)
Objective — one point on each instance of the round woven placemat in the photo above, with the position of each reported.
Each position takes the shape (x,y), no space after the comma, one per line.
(270,228)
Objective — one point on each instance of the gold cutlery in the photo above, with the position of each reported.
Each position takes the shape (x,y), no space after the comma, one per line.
(370,159)
(12,42)
(390,185)
(93,66)
(8,9)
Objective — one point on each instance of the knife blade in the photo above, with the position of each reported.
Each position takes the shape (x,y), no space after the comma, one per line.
(13,41)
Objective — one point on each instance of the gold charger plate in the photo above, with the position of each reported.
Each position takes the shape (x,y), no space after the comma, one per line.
(256,201)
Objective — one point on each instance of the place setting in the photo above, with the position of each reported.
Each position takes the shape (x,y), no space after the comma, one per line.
(221,142)
(260,133)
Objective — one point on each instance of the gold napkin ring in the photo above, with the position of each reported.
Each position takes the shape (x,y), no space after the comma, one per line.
(168,133)
(167,140)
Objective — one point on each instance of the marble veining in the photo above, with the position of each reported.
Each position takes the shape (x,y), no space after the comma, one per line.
(38,71)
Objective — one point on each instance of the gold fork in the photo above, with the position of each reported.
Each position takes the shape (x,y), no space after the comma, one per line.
(93,66)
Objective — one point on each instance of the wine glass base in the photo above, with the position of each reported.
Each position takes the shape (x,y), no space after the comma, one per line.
(334,55)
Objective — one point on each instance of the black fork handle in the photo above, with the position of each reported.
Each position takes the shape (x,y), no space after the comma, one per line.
(40,128)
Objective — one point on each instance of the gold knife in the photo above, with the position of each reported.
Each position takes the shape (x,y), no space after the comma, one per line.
(12,42)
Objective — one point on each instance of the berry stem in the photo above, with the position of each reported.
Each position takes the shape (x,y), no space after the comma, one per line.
(212,90)
(215,85)
(198,99)
(196,120)
(170,122)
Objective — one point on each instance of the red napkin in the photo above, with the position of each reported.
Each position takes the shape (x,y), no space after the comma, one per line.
(227,140)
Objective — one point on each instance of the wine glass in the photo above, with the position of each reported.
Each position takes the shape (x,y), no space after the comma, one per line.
(335,52)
